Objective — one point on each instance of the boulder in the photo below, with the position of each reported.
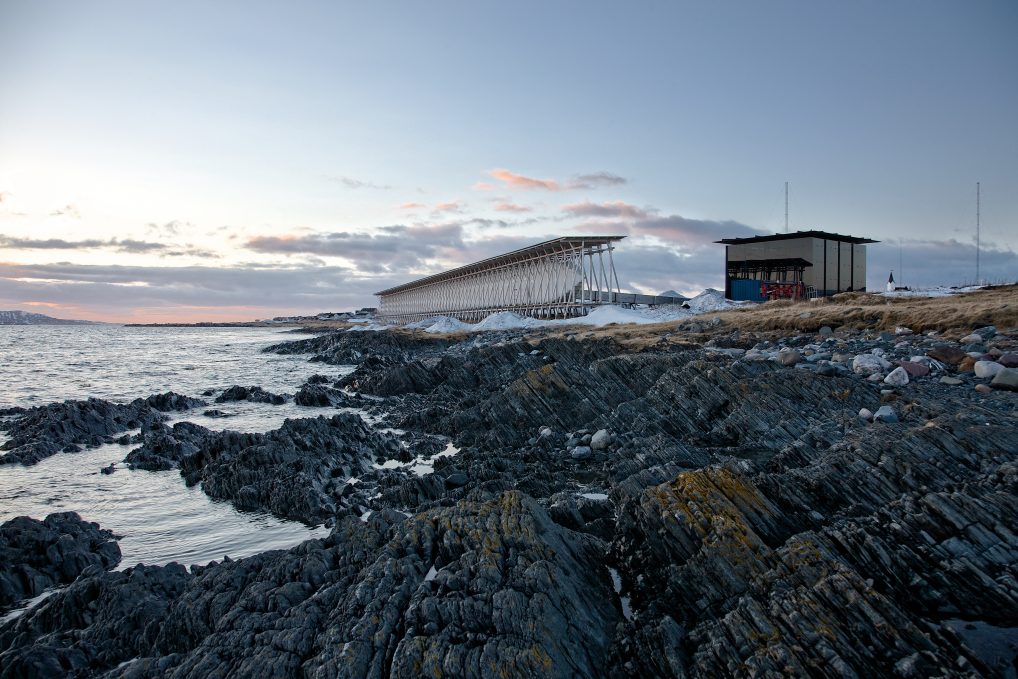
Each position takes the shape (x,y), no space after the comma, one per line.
(581,453)
(600,439)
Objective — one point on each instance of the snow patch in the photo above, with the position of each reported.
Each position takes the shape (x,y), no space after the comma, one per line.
(627,606)
(599,497)
(707,301)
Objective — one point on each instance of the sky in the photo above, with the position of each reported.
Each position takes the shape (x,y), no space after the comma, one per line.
(193,161)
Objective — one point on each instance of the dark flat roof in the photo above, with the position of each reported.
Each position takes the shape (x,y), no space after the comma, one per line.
(763,263)
(797,234)
(548,247)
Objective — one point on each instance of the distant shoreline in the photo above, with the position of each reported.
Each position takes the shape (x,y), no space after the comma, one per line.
(244,324)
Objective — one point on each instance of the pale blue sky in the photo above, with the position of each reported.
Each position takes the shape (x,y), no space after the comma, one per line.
(178,159)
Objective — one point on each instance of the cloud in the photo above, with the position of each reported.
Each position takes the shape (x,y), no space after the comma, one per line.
(451,206)
(171,228)
(927,263)
(617,209)
(590,181)
(67,211)
(518,181)
(123,245)
(393,248)
(16,243)
(583,181)
(121,293)
(412,206)
(352,183)
(483,186)
(508,206)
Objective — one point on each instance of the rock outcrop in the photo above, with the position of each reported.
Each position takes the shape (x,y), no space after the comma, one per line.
(36,555)
(253,394)
(37,433)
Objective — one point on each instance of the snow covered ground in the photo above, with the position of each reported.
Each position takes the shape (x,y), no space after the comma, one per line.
(939,291)
(708,300)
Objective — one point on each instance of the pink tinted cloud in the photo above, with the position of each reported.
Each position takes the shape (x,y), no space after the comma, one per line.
(412,206)
(508,206)
(483,186)
(451,206)
(518,181)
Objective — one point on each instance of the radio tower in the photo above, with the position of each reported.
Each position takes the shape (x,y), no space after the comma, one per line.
(786,207)
(977,233)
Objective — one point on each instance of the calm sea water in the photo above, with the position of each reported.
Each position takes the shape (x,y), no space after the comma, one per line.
(160,519)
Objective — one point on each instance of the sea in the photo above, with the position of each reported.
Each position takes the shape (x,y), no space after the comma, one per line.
(157,517)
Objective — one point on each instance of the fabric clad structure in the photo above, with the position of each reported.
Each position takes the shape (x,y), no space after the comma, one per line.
(827,262)
(560,278)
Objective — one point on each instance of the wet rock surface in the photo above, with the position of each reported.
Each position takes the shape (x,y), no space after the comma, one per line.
(36,433)
(36,555)
(720,505)
(254,394)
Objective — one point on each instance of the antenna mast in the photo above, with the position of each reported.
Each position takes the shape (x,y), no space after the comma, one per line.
(786,207)
(977,233)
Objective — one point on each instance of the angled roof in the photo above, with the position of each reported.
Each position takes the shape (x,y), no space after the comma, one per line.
(797,234)
(548,247)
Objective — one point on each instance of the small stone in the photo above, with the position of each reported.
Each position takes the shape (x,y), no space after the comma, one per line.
(869,364)
(902,330)
(586,439)
(866,414)
(983,389)
(600,439)
(987,332)
(950,381)
(967,364)
(885,414)
(897,377)
(914,369)
(949,355)
(841,358)
(972,339)
(826,370)
(1006,379)
(544,431)
(825,331)
(581,453)
(875,377)
(1008,360)
(886,336)
(987,369)
(789,358)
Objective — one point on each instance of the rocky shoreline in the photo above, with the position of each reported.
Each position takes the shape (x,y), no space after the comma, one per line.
(706,503)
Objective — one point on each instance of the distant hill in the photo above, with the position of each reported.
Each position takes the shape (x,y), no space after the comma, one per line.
(27,318)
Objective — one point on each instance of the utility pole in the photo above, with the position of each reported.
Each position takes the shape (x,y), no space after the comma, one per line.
(786,207)
(977,233)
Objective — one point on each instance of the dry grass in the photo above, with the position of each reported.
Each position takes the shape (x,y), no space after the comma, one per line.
(956,314)
(953,316)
